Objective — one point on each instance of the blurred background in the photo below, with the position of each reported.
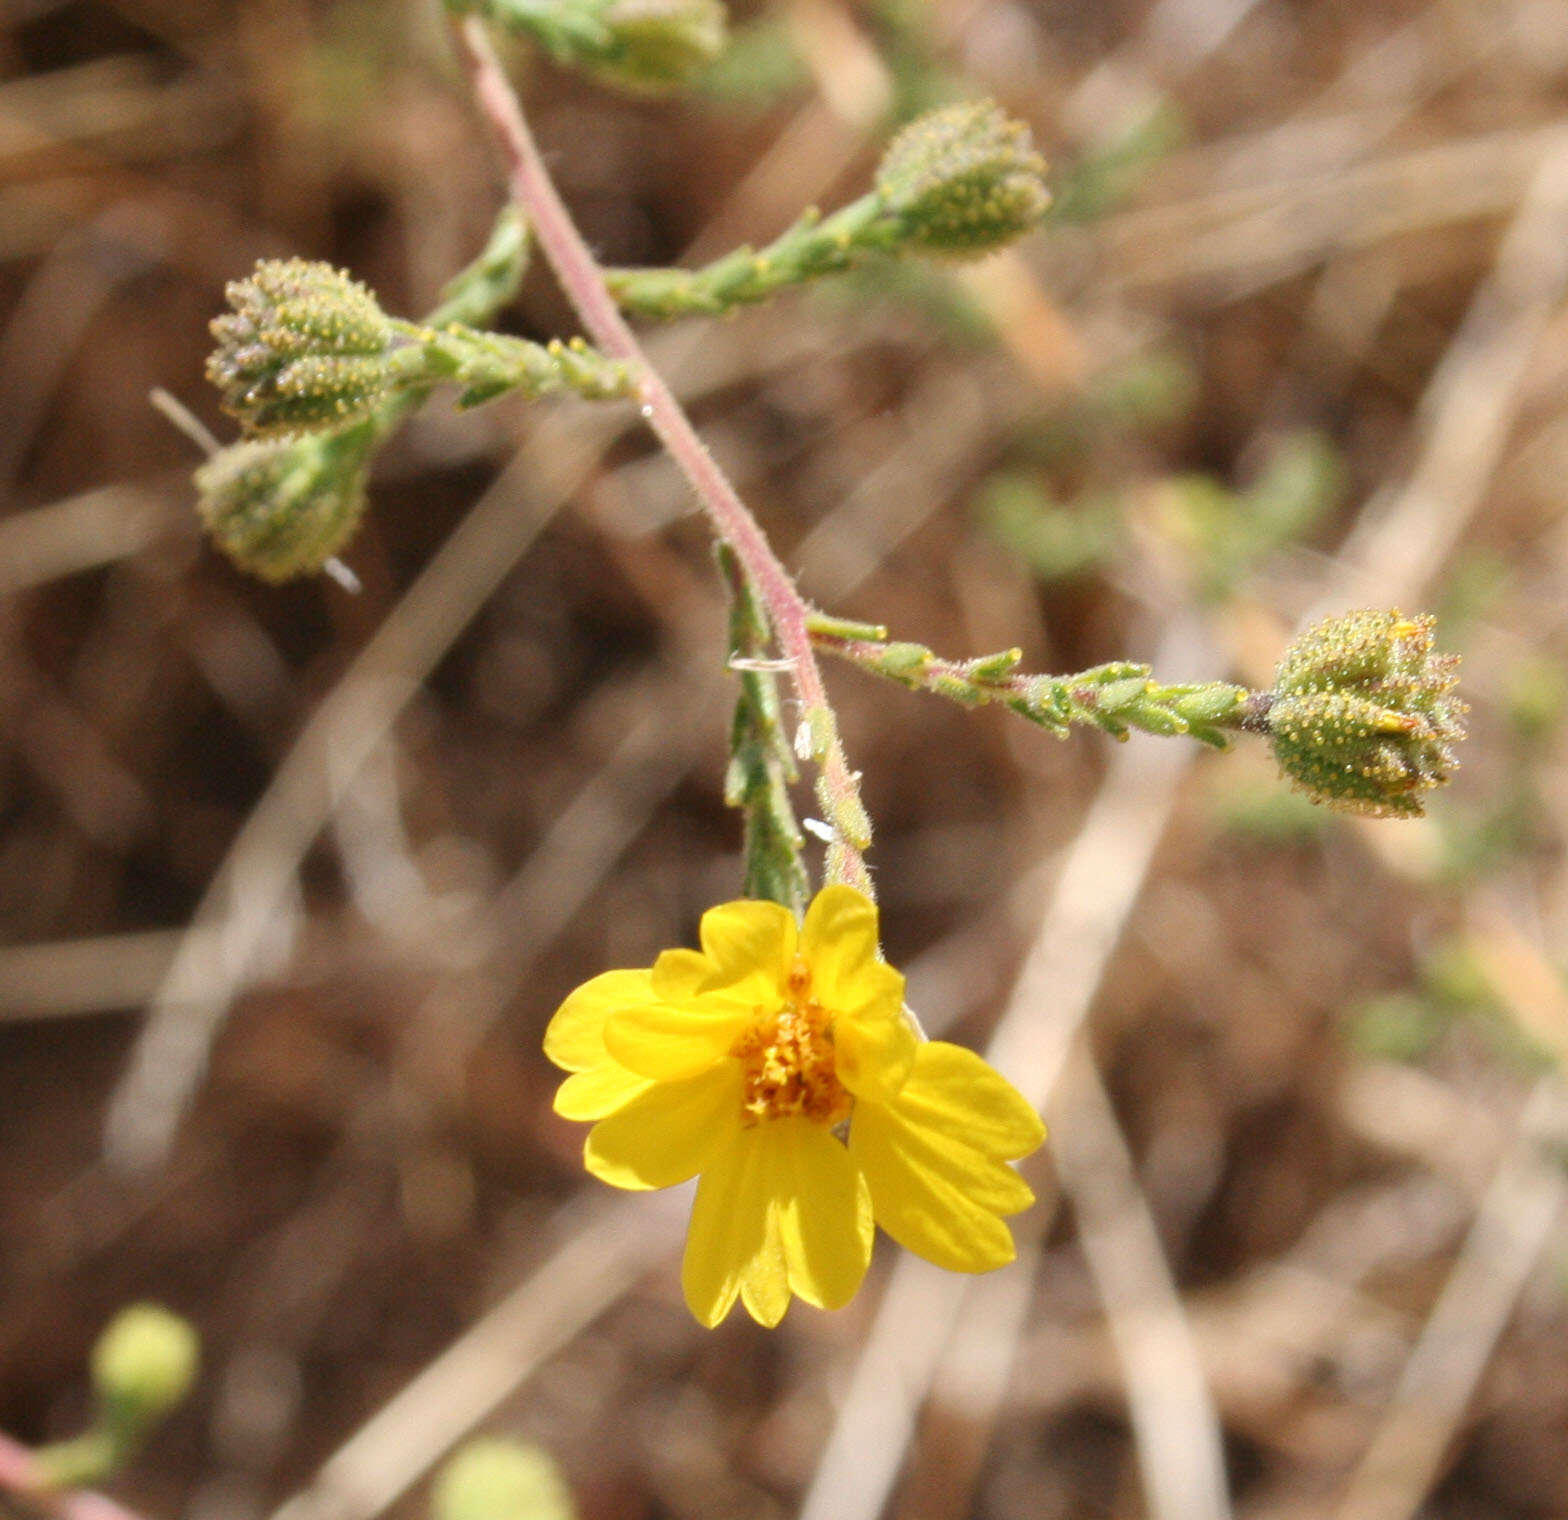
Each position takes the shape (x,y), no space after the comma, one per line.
(292,878)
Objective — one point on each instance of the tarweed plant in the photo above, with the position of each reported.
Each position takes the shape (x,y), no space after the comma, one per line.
(778,1063)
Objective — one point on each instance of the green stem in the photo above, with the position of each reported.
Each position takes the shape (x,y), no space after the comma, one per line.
(470,298)
(813,247)
(22,1479)
(762,765)
(82,1461)
(1117,697)
(488,365)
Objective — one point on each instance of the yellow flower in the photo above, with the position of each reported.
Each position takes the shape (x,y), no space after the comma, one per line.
(745,1062)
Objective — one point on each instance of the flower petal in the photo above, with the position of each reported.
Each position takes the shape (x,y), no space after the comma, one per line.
(679,975)
(839,942)
(667,1133)
(598,1091)
(690,979)
(749,939)
(990,1184)
(728,1237)
(764,1285)
(933,1158)
(575,1037)
(877,992)
(780,1209)
(939,1201)
(669,1042)
(952,1090)
(824,1211)
(874,1049)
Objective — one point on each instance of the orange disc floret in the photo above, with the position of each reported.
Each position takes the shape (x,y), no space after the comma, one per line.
(788,1061)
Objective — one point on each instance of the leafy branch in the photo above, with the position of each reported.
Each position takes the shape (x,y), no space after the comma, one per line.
(1116,697)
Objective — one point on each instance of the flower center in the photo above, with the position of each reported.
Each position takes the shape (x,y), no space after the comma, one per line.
(787,1056)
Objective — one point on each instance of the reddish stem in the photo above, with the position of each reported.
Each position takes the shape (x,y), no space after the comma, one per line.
(583,281)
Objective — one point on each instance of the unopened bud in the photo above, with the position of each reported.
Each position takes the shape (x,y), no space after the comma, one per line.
(304,348)
(283,507)
(660,44)
(501,1480)
(641,45)
(1364,716)
(143,1365)
(964,179)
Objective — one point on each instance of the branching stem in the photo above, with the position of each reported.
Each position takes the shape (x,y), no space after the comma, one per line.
(583,281)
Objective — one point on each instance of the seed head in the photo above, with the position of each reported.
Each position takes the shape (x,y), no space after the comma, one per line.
(1364,716)
(281,508)
(964,179)
(305,348)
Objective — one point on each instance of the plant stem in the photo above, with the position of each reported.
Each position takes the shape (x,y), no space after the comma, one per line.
(582,280)
(21,1478)
(1116,698)
(810,249)
(762,764)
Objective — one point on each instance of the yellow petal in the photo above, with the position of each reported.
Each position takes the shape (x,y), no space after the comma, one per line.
(728,1237)
(598,1091)
(688,978)
(839,943)
(874,1050)
(679,975)
(764,1284)
(877,992)
(823,1207)
(952,1091)
(991,1184)
(575,1038)
(749,939)
(668,1042)
(780,1209)
(666,1134)
(939,1200)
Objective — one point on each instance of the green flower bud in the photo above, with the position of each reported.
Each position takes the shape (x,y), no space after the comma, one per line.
(660,44)
(904,661)
(305,348)
(1363,713)
(283,507)
(964,179)
(640,45)
(990,668)
(143,1365)
(501,1480)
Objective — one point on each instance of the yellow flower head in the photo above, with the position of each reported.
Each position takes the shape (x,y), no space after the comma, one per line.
(745,1063)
